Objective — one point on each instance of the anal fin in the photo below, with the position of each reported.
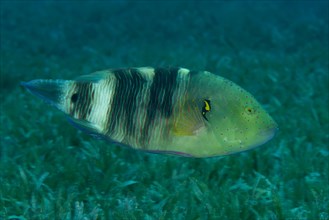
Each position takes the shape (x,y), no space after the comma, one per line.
(85,126)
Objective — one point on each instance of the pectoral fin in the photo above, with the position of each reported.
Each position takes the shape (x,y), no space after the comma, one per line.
(189,121)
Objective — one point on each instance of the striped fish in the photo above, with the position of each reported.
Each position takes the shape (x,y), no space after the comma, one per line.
(163,110)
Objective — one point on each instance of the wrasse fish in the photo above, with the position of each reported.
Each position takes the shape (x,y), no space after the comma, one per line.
(162,110)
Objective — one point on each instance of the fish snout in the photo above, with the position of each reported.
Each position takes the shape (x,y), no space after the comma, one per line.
(269,131)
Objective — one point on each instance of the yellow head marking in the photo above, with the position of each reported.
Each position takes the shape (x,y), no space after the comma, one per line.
(207,105)
(206,108)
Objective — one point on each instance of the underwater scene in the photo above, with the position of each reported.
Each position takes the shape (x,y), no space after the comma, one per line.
(197,110)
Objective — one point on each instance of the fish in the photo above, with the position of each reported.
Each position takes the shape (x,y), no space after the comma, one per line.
(170,110)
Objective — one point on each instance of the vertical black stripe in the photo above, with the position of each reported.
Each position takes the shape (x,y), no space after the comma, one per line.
(82,100)
(128,83)
(115,115)
(161,92)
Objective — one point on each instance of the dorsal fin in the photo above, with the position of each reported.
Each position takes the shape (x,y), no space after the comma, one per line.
(93,77)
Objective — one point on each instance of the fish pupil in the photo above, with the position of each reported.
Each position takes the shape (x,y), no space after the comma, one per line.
(74,97)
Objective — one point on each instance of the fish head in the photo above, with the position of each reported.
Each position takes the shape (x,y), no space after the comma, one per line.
(233,116)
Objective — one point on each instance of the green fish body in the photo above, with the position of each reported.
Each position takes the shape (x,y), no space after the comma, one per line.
(162,110)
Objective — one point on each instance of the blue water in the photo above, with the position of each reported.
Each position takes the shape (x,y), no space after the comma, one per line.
(277,50)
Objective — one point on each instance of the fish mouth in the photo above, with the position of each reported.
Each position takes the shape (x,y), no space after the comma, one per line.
(264,136)
(268,133)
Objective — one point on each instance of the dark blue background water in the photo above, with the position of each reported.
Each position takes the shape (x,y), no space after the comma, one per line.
(84,36)
(277,50)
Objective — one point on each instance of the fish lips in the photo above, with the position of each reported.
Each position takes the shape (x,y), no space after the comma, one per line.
(267,134)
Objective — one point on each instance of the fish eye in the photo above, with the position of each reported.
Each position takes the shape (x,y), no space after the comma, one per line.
(249,110)
(74,97)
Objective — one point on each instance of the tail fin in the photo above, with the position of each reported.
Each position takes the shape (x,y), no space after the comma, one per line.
(51,91)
